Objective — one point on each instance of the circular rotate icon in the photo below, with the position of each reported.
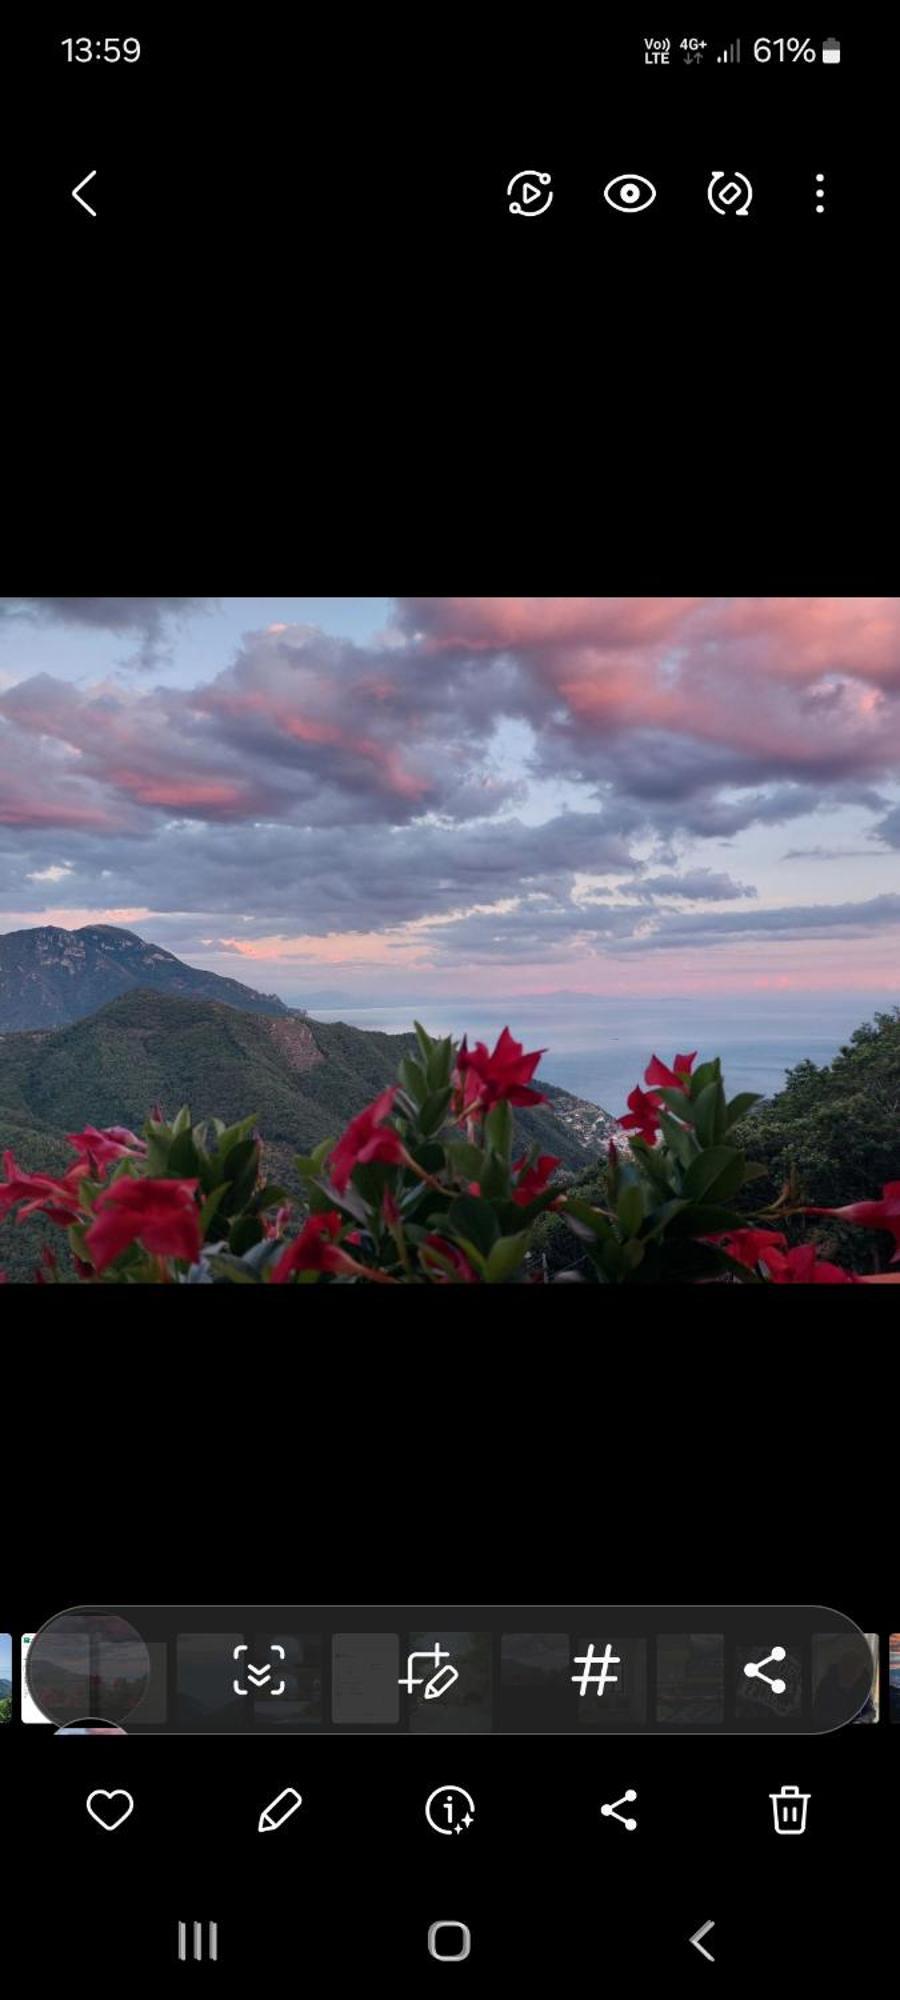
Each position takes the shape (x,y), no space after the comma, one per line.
(450,1809)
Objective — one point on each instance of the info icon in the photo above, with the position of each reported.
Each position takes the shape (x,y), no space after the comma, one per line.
(450,1809)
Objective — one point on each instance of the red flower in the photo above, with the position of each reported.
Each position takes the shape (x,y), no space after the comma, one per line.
(883,1214)
(669,1079)
(162,1215)
(390,1213)
(463,1269)
(103,1148)
(747,1246)
(644,1114)
(48,1261)
(57,1199)
(502,1076)
(531,1184)
(367,1138)
(801,1267)
(281,1220)
(315,1249)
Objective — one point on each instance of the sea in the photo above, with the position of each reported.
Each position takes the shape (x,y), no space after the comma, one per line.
(600,1051)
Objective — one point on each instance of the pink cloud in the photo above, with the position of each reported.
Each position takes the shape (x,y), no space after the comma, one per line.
(798,682)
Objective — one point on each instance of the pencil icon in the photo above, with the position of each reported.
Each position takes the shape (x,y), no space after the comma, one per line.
(278,1810)
(440,1682)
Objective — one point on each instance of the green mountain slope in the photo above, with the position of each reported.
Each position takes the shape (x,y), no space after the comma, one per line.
(50,976)
(303,1079)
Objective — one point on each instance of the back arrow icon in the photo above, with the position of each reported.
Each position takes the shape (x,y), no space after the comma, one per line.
(76,191)
(701,1933)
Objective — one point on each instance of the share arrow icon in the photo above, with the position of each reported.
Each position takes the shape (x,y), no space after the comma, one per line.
(701,1933)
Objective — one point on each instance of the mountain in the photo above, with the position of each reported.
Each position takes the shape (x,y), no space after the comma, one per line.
(49,976)
(303,1079)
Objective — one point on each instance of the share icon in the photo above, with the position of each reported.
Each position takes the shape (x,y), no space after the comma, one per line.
(754,1670)
(609,1811)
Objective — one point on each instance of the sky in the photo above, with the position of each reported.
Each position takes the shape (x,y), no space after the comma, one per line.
(453,803)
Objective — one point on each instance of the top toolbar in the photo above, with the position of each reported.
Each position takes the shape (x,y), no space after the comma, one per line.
(449,1669)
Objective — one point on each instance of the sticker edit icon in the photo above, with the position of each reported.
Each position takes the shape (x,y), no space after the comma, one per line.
(529,193)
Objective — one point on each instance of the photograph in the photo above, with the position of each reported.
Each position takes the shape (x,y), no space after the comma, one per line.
(5,1677)
(356,941)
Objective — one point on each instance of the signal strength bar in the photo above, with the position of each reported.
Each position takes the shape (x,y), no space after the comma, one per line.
(731,54)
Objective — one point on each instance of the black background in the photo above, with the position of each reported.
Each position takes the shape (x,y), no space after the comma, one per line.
(304,326)
(551,1892)
(303,344)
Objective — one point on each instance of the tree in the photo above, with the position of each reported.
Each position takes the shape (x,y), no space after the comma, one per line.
(836,1131)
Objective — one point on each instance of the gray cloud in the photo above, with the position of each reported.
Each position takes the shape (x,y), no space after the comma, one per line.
(889,829)
(317,785)
(146,617)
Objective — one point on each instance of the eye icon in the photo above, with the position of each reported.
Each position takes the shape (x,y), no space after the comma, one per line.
(629,193)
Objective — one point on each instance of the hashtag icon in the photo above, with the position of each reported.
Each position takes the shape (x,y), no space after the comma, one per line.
(589,1662)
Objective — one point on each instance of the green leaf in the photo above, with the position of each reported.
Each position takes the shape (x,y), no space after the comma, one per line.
(412,1077)
(158,1149)
(310,1165)
(709,1113)
(371,1181)
(211,1206)
(740,1105)
(498,1129)
(469,1217)
(495,1176)
(234,1135)
(433,1111)
(677,1101)
(706,1169)
(590,1219)
(505,1257)
(466,1162)
(708,1072)
(424,1039)
(184,1159)
(630,1210)
(702,1219)
(430,1156)
(429,1256)
(182,1122)
(679,1141)
(662,1217)
(247,1231)
(439,1064)
(269,1196)
(654,1164)
(235,1272)
(240,1167)
(321,1196)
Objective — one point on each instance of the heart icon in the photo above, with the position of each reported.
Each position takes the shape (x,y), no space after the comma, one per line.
(105,1809)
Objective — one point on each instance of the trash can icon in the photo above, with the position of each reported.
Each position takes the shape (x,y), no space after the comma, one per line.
(789,1809)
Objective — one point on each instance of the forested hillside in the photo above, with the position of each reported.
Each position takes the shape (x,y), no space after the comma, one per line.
(303,1080)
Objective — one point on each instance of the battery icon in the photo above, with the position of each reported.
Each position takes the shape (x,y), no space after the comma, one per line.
(831,51)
